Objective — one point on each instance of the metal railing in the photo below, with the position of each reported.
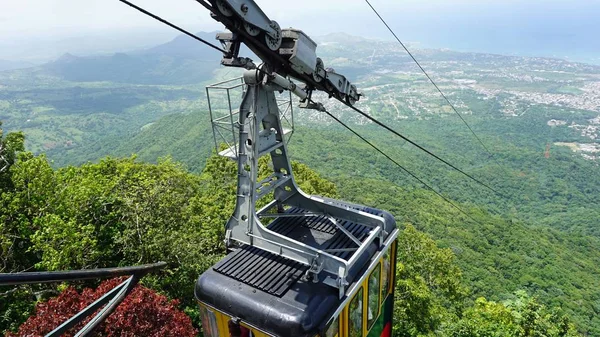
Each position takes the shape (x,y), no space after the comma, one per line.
(224,99)
(105,304)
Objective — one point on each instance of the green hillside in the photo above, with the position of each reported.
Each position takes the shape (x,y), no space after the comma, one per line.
(515,244)
(118,212)
(184,137)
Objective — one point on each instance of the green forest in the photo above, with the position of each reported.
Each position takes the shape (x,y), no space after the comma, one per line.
(121,212)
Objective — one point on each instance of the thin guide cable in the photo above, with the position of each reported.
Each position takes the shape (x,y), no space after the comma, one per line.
(430,79)
(400,166)
(374,120)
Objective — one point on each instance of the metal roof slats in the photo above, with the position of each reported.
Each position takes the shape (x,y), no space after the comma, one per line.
(276,276)
(232,263)
(256,268)
(260,275)
(262,270)
(292,272)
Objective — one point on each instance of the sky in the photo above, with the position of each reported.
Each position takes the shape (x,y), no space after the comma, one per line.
(557,28)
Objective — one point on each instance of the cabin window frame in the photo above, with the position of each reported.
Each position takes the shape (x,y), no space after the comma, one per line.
(358,296)
(393,256)
(369,310)
(386,269)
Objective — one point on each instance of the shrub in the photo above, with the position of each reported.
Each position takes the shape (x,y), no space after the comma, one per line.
(142,313)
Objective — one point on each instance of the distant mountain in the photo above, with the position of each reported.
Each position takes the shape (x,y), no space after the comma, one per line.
(40,48)
(185,47)
(11,65)
(180,61)
(340,37)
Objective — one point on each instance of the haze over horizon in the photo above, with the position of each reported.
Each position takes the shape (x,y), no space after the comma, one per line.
(37,30)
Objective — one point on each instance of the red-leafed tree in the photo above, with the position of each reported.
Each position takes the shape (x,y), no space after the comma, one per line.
(142,313)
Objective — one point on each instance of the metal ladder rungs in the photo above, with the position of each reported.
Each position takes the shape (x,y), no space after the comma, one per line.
(270,149)
(273,181)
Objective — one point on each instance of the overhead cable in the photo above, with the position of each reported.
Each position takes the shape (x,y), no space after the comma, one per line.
(399,165)
(374,120)
(205,4)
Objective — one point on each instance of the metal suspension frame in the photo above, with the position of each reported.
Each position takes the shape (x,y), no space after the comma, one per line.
(260,134)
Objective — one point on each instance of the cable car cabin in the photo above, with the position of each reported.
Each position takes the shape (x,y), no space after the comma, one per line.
(302,265)
(252,292)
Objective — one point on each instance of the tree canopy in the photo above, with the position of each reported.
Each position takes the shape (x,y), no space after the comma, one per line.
(121,212)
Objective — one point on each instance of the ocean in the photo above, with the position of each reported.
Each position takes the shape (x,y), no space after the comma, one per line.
(551,28)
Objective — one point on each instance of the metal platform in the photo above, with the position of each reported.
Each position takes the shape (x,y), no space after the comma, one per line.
(318,231)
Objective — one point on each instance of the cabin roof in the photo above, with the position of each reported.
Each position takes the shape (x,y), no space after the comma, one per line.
(268,291)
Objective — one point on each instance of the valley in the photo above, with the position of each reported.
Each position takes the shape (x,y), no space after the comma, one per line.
(539,118)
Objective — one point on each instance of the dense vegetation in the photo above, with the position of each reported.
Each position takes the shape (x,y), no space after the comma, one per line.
(540,234)
(429,300)
(115,213)
(121,212)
